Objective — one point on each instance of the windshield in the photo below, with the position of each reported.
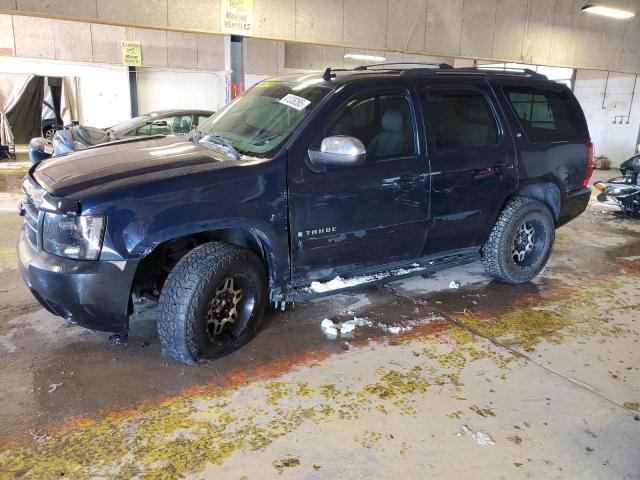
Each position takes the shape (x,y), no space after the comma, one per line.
(131,123)
(258,122)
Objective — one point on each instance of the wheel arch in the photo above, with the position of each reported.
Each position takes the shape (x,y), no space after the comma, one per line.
(547,193)
(155,264)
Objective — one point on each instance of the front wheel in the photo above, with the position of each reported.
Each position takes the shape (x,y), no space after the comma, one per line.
(212,302)
(521,240)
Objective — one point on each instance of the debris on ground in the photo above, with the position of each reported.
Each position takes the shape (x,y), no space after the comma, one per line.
(480,437)
(54,386)
(329,328)
(286,463)
(39,438)
(347,328)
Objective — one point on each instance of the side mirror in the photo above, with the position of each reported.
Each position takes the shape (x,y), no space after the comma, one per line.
(338,151)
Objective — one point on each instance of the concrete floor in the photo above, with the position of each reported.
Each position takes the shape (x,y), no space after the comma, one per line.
(486,381)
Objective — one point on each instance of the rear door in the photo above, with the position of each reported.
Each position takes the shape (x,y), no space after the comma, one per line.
(361,216)
(472,159)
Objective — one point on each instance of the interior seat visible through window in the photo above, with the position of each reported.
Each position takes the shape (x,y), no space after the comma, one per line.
(381,121)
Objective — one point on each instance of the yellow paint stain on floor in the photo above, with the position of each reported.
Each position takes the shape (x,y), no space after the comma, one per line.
(184,434)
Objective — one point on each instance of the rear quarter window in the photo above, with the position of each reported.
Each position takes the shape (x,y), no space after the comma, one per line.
(547,115)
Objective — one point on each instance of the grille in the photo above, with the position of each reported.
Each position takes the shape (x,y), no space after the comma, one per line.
(31,221)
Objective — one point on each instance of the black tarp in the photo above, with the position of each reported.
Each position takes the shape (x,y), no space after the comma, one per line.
(25,117)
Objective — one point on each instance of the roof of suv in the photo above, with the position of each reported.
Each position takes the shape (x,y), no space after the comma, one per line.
(341,76)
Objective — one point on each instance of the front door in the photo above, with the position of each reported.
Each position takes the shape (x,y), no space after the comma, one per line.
(355,217)
(472,160)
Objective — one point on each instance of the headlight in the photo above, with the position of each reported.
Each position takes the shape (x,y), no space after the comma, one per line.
(73,236)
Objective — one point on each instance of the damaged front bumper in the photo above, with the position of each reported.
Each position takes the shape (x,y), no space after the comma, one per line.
(93,294)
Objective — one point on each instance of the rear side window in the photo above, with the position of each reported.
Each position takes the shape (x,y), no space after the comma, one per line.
(546,115)
(460,119)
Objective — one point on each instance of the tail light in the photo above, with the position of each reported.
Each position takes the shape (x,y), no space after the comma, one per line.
(591,163)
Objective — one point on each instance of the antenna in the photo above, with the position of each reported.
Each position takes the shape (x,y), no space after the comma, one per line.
(327,75)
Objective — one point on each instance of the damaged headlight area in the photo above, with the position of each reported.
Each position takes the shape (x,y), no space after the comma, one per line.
(73,236)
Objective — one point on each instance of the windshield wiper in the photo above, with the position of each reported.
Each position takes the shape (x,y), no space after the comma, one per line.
(220,144)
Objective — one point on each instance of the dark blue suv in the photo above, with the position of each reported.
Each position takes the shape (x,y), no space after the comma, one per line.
(368,174)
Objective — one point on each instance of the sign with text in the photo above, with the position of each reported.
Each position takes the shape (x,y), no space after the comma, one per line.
(237,16)
(131,53)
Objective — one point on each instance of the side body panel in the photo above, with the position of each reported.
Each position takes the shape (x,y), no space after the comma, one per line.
(469,185)
(560,164)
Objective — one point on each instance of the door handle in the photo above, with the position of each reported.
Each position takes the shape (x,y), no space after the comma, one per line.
(407,181)
(498,169)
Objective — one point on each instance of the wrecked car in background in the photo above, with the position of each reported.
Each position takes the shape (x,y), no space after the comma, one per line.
(78,137)
(623,190)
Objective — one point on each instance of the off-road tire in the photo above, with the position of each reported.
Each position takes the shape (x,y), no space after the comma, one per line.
(187,294)
(497,257)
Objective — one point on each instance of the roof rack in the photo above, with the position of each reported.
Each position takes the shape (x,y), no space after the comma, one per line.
(527,72)
(443,66)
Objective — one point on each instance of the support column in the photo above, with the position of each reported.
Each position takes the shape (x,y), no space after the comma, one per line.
(133,91)
(237,68)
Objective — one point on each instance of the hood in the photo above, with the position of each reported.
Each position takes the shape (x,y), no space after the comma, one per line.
(126,163)
(632,164)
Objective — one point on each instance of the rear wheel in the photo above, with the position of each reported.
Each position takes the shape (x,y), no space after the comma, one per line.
(521,240)
(212,302)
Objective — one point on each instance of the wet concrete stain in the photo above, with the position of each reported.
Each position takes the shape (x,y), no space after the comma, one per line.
(182,434)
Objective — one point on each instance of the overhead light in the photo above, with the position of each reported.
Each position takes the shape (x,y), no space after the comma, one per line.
(364,58)
(608,11)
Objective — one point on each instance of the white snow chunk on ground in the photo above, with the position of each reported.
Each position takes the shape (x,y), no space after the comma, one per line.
(329,328)
(347,328)
(54,386)
(350,325)
(454,284)
(480,437)
(394,330)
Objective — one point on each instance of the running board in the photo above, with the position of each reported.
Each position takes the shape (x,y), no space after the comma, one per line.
(423,266)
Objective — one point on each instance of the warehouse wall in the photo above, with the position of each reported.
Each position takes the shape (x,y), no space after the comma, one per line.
(45,38)
(166,89)
(318,57)
(547,32)
(614,131)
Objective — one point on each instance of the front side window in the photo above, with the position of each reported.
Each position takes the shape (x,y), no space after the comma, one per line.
(382,122)
(546,115)
(460,119)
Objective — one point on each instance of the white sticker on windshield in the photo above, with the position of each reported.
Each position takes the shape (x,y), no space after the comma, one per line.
(295,101)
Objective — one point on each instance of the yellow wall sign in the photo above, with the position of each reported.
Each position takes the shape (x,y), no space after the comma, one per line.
(237,16)
(131,53)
